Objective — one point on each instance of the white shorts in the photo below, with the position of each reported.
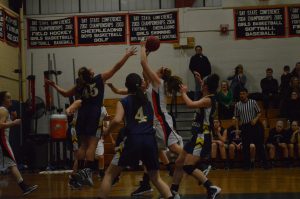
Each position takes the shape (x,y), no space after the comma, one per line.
(173,138)
(5,161)
(100,148)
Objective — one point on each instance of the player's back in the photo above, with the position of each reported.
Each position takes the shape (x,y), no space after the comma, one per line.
(138,118)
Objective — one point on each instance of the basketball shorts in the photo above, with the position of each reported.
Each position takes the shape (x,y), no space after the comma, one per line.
(140,148)
(7,158)
(88,121)
(166,136)
(199,145)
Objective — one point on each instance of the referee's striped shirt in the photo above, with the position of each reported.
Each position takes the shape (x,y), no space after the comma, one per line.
(246,111)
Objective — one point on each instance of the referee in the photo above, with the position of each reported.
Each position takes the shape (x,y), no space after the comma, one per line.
(248,113)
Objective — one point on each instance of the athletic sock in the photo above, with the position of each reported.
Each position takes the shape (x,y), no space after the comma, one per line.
(22,185)
(146,178)
(168,166)
(174,187)
(101,172)
(207,184)
(89,164)
(80,164)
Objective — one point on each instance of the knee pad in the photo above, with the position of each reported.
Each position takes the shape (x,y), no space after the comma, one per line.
(189,169)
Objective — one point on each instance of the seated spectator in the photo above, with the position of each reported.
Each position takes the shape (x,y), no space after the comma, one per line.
(291,107)
(235,143)
(278,139)
(285,81)
(238,81)
(218,141)
(295,140)
(225,99)
(269,87)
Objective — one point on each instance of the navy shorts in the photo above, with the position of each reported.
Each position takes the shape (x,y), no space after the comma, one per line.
(140,147)
(87,121)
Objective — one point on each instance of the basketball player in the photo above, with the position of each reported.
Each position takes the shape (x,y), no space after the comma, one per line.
(7,158)
(90,89)
(140,143)
(161,82)
(99,153)
(200,144)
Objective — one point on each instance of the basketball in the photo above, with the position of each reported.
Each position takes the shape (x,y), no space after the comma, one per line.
(152,43)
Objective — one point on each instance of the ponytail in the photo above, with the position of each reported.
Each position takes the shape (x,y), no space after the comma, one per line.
(133,84)
(166,74)
(140,97)
(173,84)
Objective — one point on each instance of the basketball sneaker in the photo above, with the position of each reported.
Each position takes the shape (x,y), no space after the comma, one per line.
(174,194)
(206,170)
(142,189)
(28,189)
(73,182)
(213,192)
(87,177)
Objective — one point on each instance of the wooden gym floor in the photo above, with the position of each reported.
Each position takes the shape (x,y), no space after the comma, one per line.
(277,183)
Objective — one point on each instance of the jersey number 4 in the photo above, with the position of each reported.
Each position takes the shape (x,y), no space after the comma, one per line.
(139,116)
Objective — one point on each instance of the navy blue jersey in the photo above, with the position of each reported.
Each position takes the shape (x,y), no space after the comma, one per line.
(233,135)
(138,119)
(204,117)
(92,93)
(278,137)
(215,134)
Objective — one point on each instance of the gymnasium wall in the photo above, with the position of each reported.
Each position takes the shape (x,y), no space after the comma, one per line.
(8,63)
(224,52)
(4,2)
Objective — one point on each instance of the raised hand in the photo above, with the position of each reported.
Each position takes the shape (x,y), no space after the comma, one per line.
(132,51)
(198,76)
(49,82)
(183,88)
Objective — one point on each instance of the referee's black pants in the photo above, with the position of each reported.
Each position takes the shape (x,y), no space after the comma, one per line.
(253,134)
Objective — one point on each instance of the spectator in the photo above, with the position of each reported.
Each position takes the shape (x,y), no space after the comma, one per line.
(278,139)
(218,142)
(235,144)
(295,140)
(296,70)
(269,87)
(238,81)
(199,63)
(294,85)
(285,81)
(234,141)
(291,107)
(248,113)
(225,101)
